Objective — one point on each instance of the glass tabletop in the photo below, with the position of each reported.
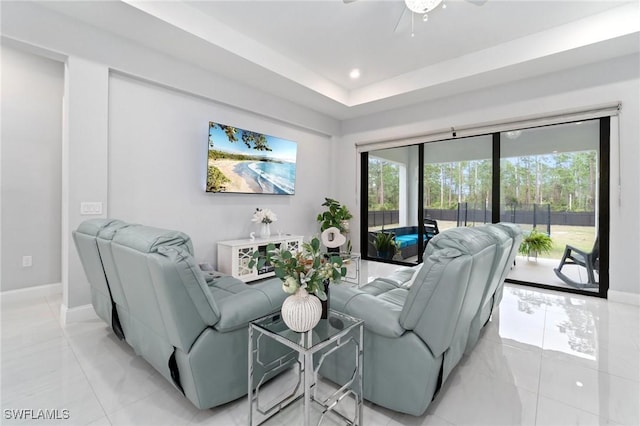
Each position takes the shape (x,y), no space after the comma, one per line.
(322,332)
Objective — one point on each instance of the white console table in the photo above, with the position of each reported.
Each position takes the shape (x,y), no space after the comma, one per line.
(234,255)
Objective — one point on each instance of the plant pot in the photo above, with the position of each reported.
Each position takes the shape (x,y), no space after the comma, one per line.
(301,311)
(385,254)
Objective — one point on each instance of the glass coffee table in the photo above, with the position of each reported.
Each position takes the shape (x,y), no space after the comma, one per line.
(336,332)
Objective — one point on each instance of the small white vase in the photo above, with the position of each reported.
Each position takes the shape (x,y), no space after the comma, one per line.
(265,230)
(301,311)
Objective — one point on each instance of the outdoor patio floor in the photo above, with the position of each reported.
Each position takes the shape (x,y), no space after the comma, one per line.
(541,271)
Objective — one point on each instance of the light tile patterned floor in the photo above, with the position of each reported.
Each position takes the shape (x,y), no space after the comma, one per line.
(547,358)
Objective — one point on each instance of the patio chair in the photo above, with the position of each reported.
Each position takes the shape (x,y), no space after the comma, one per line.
(430,229)
(588,260)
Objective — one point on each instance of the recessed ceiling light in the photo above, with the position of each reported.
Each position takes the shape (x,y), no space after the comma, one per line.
(355,73)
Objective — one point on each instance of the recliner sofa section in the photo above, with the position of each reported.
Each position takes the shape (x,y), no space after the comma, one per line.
(506,241)
(191,331)
(107,297)
(415,335)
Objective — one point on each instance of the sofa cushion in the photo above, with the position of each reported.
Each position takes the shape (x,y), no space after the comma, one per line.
(85,241)
(192,280)
(147,239)
(436,297)
(401,277)
(241,303)
(397,296)
(377,287)
(406,240)
(381,315)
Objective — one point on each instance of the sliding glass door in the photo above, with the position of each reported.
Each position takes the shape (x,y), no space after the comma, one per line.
(392,232)
(553,181)
(458,182)
(549,185)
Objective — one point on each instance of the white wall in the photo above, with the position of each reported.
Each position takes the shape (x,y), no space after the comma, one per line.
(172,102)
(158,141)
(84,164)
(614,80)
(32,88)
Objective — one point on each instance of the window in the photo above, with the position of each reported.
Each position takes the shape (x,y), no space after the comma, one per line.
(553,179)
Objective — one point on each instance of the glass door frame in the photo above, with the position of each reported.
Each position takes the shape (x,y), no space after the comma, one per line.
(603,219)
(364,210)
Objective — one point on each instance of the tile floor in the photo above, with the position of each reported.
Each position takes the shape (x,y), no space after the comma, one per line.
(547,358)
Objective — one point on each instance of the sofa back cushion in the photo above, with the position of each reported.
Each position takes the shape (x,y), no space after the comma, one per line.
(133,248)
(103,240)
(515,233)
(503,245)
(433,304)
(86,245)
(482,250)
(186,304)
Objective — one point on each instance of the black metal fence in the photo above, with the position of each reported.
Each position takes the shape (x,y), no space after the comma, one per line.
(383,217)
(539,215)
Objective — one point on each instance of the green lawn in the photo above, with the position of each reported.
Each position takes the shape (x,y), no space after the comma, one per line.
(581,237)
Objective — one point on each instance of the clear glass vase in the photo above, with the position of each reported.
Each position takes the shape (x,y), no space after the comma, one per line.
(265,230)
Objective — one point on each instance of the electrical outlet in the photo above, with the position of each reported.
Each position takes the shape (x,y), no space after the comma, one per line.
(87,207)
(27,261)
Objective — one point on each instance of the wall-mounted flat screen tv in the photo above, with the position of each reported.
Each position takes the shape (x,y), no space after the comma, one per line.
(246,162)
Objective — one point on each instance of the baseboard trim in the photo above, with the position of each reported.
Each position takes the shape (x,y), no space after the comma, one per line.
(77,314)
(624,297)
(31,292)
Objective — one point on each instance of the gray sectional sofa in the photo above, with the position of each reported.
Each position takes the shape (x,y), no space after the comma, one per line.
(147,287)
(418,325)
(417,332)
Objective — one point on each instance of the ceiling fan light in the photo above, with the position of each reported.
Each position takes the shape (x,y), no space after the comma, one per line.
(514,134)
(422,6)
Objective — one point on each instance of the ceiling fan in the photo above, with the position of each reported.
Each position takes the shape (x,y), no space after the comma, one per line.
(422,7)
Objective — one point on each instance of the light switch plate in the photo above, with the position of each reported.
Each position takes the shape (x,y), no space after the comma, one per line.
(94,207)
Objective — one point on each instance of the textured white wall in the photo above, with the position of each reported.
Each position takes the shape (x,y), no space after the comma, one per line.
(32,88)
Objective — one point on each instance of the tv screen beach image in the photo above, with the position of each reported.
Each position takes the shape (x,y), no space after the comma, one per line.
(242,161)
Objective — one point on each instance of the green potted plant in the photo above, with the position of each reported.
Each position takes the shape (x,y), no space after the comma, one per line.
(385,244)
(308,271)
(336,215)
(534,243)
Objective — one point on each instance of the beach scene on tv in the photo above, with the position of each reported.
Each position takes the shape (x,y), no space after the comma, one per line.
(242,161)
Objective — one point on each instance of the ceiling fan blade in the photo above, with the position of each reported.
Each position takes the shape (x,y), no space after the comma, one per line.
(404,12)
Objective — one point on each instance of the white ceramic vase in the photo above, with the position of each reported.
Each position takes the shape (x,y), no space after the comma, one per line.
(301,311)
(265,230)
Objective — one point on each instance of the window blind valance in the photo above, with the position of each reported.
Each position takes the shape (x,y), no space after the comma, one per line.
(537,120)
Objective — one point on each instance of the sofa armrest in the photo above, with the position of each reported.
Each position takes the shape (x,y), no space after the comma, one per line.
(380,316)
(402,277)
(237,310)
